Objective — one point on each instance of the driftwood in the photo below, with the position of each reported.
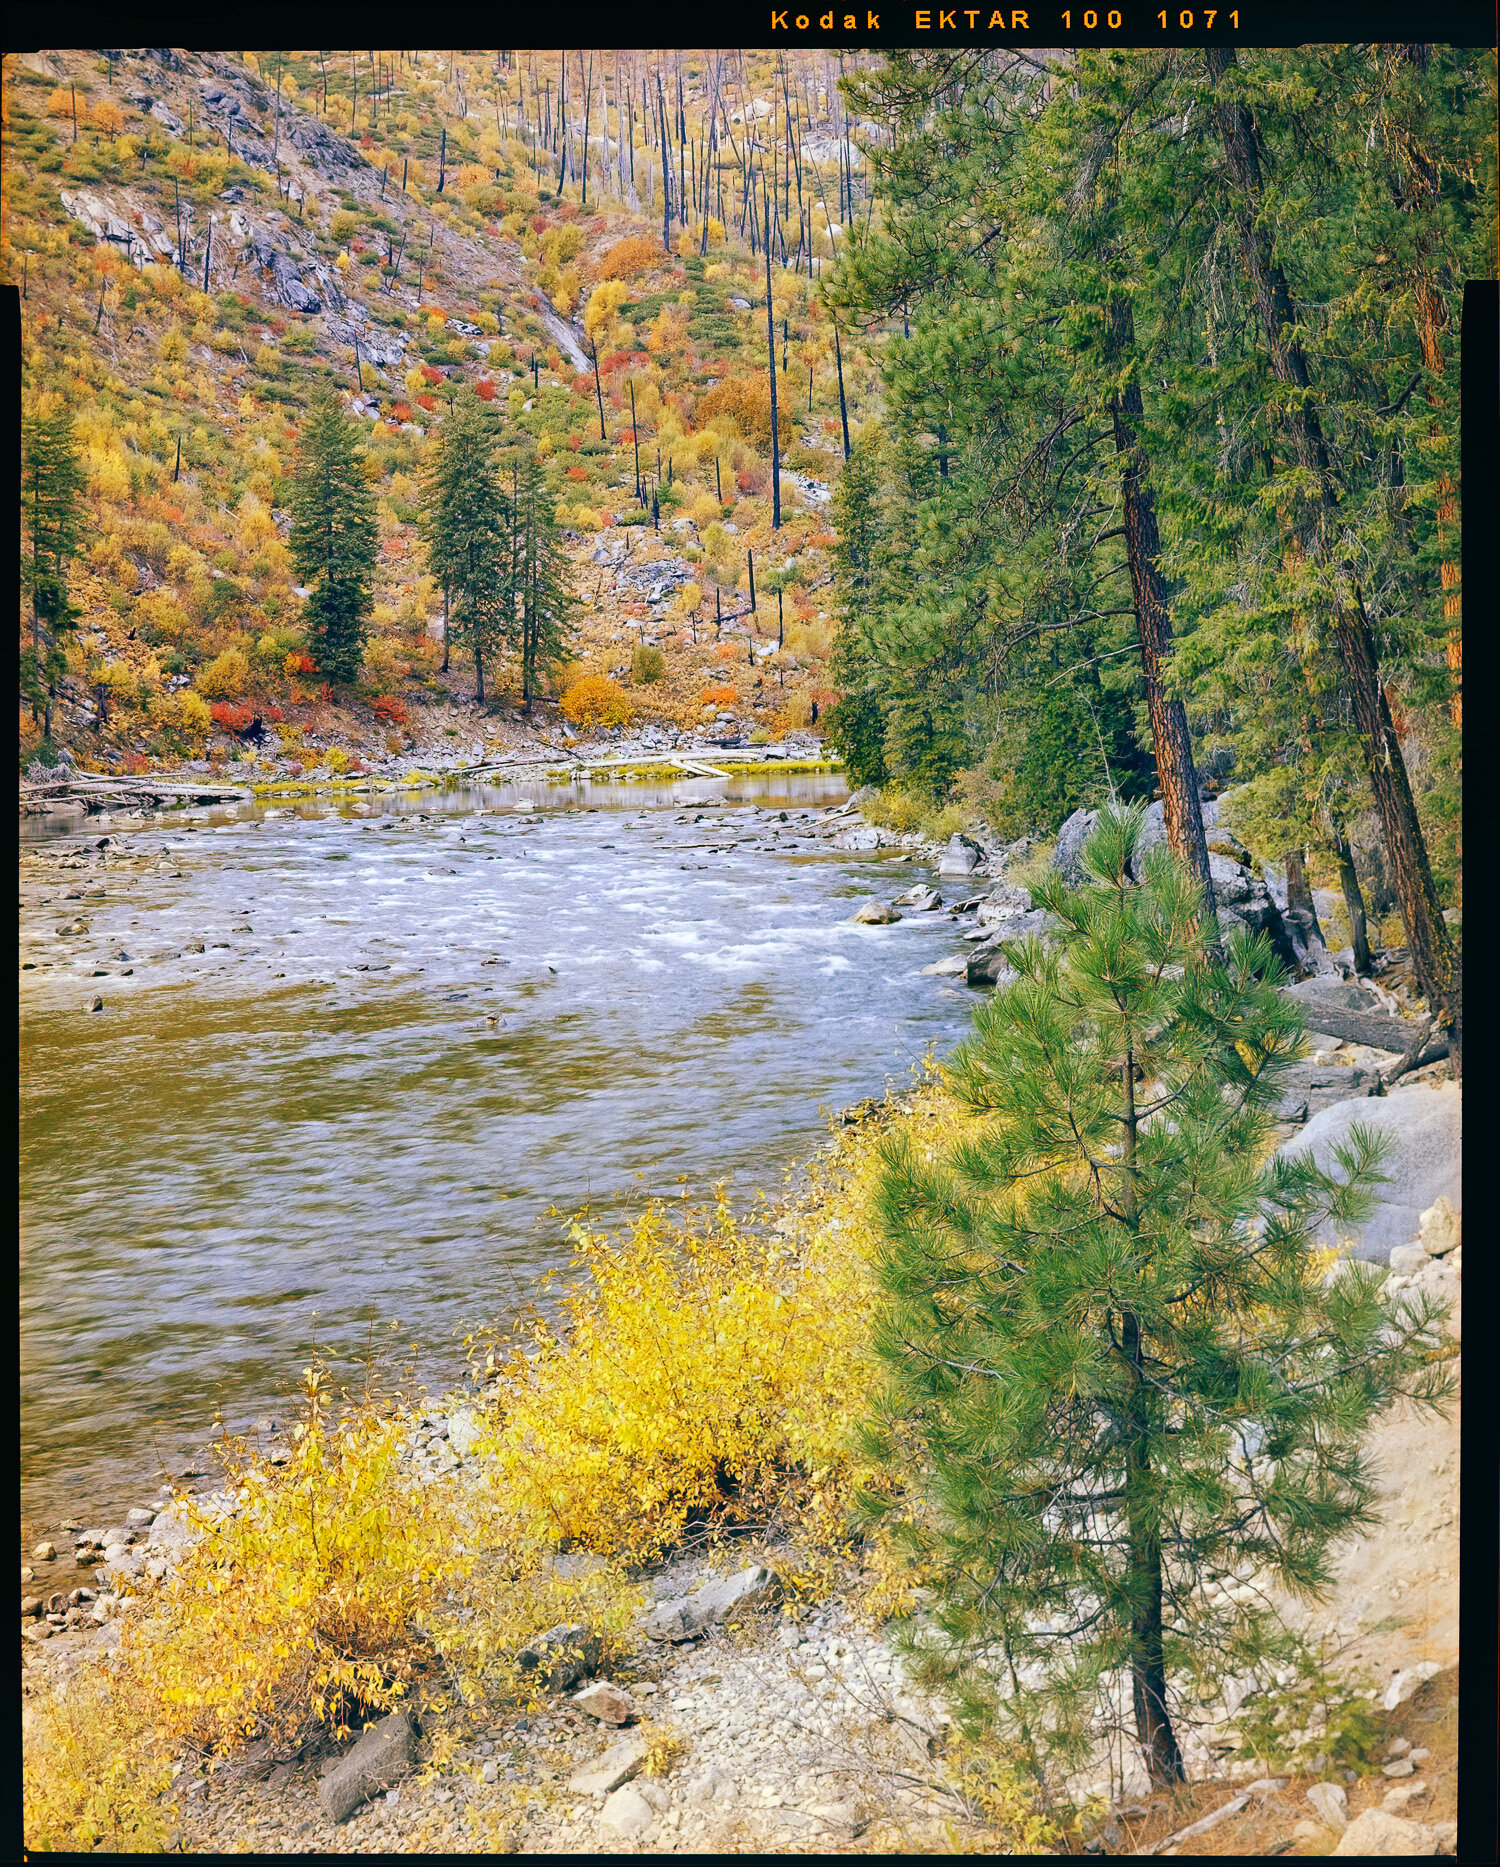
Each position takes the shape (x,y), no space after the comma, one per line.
(1375,1028)
(1413,1041)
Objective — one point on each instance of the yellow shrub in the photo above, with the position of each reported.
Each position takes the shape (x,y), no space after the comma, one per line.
(602,306)
(158,612)
(706,510)
(226,677)
(716,1370)
(336,759)
(173,347)
(689,596)
(94,1769)
(108,473)
(796,711)
(561,244)
(386,660)
(302,1607)
(595,700)
(194,714)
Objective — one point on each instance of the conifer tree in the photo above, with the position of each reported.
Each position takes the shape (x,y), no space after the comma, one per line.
(1115,1371)
(52,520)
(334,537)
(465,524)
(541,574)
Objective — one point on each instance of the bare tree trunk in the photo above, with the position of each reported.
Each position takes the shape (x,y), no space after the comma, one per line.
(1354,901)
(771,366)
(1432,951)
(1299,890)
(1182,807)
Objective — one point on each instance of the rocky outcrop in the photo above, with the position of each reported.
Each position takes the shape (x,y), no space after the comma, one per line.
(691,1615)
(283,268)
(1423,1127)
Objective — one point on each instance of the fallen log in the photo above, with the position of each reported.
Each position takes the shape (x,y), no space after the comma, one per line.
(1375,1028)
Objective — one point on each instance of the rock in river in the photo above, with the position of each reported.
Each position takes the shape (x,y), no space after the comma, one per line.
(874,914)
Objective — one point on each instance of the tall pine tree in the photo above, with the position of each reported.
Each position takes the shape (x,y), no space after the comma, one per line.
(52,521)
(334,537)
(466,524)
(1115,1371)
(540,572)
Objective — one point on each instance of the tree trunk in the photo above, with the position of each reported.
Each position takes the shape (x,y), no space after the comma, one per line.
(1143,1578)
(1182,808)
(771,365)
(1432,951)
(446,595)
(1299,889)
(478,675)
(1354,901)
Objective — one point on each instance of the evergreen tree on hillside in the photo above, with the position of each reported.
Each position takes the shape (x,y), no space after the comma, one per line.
(466,524)
(52,486)
(540,572)
(1114,1370)
(334,537)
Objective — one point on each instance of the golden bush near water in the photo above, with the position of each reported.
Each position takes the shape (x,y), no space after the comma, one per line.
(226,677)
(595,700)
(708,1373)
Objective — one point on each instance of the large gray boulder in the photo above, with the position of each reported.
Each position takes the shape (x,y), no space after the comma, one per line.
(989,963)
(381,1757)
(1424,1127)
(715,1604)
(962,856)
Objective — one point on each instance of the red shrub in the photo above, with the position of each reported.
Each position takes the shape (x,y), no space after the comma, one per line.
(426,401)
(578,473)
(429,374)
(274,715)
(301,663)
(402,411)
(325,693)
(136,762)
(391,710)
(485,389)
(232,717)
(539,223)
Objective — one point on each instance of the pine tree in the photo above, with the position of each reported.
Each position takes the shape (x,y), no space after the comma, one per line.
(52,487)
(466,524)
(1114,1369)
(541,574)
(334,537)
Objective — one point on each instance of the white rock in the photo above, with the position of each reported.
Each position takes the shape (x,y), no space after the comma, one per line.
(465,1429)
(627,1812)
(1407,1260)
(616,1767)
(1332,1803)
(1406,1684)
(1442,1228)
(1375,1834)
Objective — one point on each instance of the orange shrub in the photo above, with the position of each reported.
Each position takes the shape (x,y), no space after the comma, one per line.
(721,696)
(426,401)
(629,256)
(234,719)
(595,700)
(748,400)
(429,374)
(402,411)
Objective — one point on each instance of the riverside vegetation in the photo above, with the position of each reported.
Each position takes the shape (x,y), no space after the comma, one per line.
(1113,516)
(707,1379)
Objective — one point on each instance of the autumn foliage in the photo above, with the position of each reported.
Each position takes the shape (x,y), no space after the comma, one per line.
(748,400)
(233,719)
(629,256)
(595,700)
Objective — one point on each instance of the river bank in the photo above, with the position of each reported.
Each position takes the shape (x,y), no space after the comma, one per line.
(346,975)
(791,1726)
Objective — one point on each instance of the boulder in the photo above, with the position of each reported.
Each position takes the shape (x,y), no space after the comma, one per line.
(606,1701)
(1407,1684)
(563,1655)
(719,1602)
(605,1774)
(949,968)
(627,1812)
(382,1756)
(989,963)
(1424,1127)
(465,1430)
(962,856)
(1442,1228)
(1375,1833)
(859,836)
(1003,904)
(1332,1803)
(874,914)
(1309,1087)
(923,899)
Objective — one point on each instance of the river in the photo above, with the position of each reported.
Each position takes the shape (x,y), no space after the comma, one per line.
(417,1032)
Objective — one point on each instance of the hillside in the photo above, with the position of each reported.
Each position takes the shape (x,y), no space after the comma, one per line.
(203,240)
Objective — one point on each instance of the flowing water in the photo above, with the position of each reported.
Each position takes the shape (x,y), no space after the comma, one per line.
(418,1034)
